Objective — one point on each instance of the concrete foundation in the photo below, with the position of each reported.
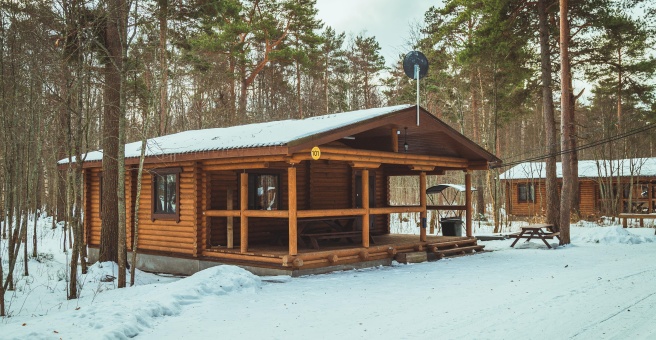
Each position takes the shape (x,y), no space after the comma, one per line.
(188,266)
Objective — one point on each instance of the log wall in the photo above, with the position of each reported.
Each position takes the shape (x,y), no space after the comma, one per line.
(588,198)
(380,222)
(528,208)
(92,217)
(330,185)
(169,235)
(320,185)
(587,194)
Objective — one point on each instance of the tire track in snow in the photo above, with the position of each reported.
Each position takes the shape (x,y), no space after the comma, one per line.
(623,310)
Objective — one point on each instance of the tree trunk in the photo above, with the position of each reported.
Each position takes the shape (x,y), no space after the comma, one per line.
(551,183)
(75,189)
(232,119)
(243,100)
(576,203)
(299,99)
(298,90)
(36,206)
(619,88)
(164,67)
(565,116)
(325,86)
(122,219)
(26,269)
(135,236)
(2,290)
(111,122)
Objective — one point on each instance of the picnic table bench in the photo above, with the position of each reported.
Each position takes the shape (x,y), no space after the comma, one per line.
(536,231)
(329,228)
(625,216)
(350,236)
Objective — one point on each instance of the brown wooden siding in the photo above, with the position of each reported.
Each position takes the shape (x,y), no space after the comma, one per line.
(198,201)
(320,185)
(380,225)
(169,235)
(130,199)
(588,198)
(93,218)
(587,194)
(205,204)
(330,185)
(528,208)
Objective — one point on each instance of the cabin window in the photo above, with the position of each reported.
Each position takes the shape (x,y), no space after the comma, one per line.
(263,191)
(525,193)
(166,194)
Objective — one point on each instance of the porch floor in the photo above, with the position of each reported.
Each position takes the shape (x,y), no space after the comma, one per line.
(398,241)
(342,255)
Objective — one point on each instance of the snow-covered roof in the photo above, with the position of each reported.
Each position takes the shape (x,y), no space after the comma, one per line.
(277,133)
(645,167)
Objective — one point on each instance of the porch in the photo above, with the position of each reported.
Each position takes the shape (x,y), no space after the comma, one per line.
(386,247)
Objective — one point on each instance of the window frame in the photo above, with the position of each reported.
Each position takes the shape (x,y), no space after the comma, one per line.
(529,198)
(159,215)
(252,189)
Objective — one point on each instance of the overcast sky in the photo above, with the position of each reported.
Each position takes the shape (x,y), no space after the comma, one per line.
(388,20)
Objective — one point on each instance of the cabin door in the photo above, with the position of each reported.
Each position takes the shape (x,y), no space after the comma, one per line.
(372,196)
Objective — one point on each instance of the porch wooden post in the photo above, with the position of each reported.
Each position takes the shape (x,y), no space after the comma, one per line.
(365,206)
(243,179)
(422,200)
(468,204)
(230,231)
(395,140)
(293,227)
(650,197)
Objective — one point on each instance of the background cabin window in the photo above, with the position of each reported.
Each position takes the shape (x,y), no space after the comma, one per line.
(525,192)
(263,191)
(166,194)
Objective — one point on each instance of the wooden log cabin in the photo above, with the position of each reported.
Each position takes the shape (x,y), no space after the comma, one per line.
(624,185)
(288,197)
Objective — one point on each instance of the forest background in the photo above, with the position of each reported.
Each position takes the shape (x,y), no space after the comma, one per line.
(85,75)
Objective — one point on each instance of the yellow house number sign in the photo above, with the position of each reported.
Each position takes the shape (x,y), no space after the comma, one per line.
(316,153)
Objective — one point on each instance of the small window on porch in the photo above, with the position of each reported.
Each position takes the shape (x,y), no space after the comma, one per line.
(166,194)
(525,193)
(263,191)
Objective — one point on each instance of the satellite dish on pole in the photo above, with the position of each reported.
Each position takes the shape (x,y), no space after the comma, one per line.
(415,58)
(415,66)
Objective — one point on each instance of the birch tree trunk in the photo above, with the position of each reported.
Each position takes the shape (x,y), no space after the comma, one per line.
(135,236)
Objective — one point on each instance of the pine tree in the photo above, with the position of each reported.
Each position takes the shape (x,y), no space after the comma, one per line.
(366,62)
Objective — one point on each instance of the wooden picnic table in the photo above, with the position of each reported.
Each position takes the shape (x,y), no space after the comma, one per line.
(536,231)
(625,216)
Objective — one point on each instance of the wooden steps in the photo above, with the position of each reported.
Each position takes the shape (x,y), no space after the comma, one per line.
(411,257)
(455,248)
(458,251)
(436,251)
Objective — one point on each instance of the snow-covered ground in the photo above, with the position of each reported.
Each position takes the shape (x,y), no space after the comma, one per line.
(599,287)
